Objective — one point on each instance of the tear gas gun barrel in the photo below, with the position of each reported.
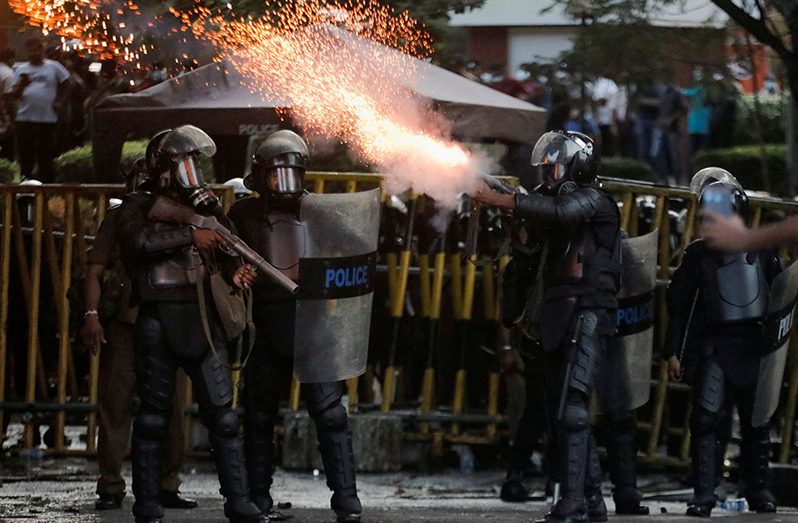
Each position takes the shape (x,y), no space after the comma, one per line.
(167,210)
(496,184)
(473,218)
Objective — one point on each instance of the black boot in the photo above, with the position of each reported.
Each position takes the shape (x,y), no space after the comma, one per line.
(146,451)
(566,511)
(698,510)
(174,499)
(228,453)
(339,467)
(513,489)
(109,501)
(756,458)
(596,508)
(259,448)
(622,460)
(574,455)
(704,456)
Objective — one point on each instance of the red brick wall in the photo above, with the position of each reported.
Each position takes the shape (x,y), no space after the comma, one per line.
(488,45)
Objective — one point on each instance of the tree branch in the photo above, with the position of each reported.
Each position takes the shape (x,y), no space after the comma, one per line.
(756,27)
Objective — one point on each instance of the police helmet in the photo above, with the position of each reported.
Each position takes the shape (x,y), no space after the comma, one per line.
(566,156)
(239,189)
(278,166)
(709,175)
(172,157)
(724,198)
(136,176)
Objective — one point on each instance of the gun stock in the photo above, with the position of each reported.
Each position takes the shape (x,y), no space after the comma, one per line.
(167,210)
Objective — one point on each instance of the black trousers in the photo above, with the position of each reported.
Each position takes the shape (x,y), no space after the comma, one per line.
(267,374)
(165,335)
(36,146)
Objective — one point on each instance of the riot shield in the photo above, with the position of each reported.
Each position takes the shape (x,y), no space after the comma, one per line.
(336,285)
(778,325)
(624,381)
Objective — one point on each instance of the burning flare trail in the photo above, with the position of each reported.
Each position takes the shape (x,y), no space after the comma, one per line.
(347,69)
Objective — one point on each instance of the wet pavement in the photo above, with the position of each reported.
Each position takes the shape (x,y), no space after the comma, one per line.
(62,490)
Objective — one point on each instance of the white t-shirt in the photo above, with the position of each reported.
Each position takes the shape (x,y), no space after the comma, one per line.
(36,102)
(6,78)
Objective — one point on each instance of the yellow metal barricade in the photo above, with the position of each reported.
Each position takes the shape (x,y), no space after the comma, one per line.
(50,239)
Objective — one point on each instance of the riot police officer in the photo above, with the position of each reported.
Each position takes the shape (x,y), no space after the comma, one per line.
(270,225)
(165,261)
(716,304)
(574,229)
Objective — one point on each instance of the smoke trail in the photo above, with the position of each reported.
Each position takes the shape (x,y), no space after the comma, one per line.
(347,71)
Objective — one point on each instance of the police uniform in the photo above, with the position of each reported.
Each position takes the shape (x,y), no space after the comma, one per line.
(270,225)
(572,264)
(716,302)
(165,266)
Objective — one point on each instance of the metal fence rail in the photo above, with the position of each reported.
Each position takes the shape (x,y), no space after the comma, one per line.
(432,292)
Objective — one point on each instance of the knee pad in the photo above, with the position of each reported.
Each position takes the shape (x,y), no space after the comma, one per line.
(575,418)
(151,425)
(331,419)
(227,424)
(322,396)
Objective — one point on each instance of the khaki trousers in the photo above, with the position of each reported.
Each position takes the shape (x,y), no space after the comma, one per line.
(117,389)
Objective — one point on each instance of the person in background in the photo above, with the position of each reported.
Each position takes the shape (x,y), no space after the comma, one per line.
(666,148)
(6,105)
(700,113)
(41,87)
(118,368)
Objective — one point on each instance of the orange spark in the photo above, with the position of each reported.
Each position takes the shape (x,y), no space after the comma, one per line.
(344,67)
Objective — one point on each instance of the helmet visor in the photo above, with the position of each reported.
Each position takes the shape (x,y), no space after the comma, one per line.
(554,148)
(187,139)
(709,175)
(187,172)
(285,180)
(718,199)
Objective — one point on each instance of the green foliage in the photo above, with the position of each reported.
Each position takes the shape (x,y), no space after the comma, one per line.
(74,166)
(9,171)
(626,168)
(745,163)
(771,118)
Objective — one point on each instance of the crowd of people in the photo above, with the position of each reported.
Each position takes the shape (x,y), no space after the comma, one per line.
(47,102)
(658,123)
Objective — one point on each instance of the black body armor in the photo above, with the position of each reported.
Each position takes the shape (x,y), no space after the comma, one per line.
(279,236)
(160,257)
(735,288)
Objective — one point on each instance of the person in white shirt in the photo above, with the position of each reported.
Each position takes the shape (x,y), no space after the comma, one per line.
(41,88)
(606,100)
(6,107)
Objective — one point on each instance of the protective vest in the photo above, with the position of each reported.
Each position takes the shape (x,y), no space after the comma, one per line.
(735,288)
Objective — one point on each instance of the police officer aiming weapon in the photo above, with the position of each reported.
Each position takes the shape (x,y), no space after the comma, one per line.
(168,210)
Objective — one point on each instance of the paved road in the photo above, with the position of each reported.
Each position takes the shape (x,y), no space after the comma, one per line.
(63,491)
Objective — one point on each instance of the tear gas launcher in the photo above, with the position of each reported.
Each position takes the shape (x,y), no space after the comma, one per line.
(167,210)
